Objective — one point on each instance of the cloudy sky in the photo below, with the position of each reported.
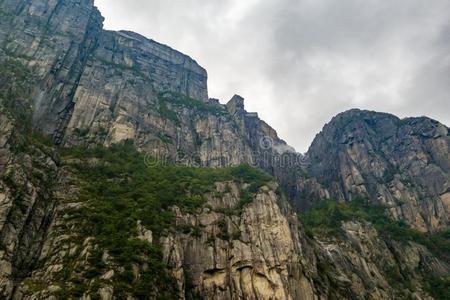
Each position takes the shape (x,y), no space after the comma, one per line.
(300,62)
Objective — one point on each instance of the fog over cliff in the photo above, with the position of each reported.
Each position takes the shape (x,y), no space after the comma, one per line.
(303,60)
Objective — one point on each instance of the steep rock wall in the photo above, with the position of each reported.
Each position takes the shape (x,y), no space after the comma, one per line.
(61,40)
(403,164)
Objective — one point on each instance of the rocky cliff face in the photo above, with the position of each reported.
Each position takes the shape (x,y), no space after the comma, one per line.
(103,87)
(223,249)
(402,164)
(252,250)
(27,169)
(76,62)
(256,253)
(80,219)
(361,264)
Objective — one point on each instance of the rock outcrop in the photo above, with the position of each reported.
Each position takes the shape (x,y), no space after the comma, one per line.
(256,253)
(78,62)
(26,204)
(226,250)
(402,164)
(361,264)
(103,87)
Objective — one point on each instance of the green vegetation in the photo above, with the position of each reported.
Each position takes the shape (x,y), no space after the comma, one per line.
(15,93)
(166,113)
(121,171)
(15,103)
(389,174)
(439,288)
(120,189)
(181,100)
(122,67)
(34,285)
(327,216)
(81,132)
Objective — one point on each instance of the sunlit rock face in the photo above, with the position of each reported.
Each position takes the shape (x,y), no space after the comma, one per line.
(256,253)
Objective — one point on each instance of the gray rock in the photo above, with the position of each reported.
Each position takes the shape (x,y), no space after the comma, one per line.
(402,164)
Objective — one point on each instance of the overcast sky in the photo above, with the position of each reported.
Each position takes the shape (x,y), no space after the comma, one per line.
(300,62)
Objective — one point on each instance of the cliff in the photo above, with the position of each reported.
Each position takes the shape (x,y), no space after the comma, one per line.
(402,164)
(115,166)
(77,62)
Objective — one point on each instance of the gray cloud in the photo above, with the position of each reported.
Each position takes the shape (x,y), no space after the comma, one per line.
(299,62)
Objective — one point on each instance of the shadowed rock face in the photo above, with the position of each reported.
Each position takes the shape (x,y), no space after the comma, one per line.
(404,164)
(76,60)
(103,87)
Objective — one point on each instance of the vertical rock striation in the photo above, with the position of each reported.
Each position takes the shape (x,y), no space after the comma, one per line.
(403,164)
(64,43)
(96,87)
